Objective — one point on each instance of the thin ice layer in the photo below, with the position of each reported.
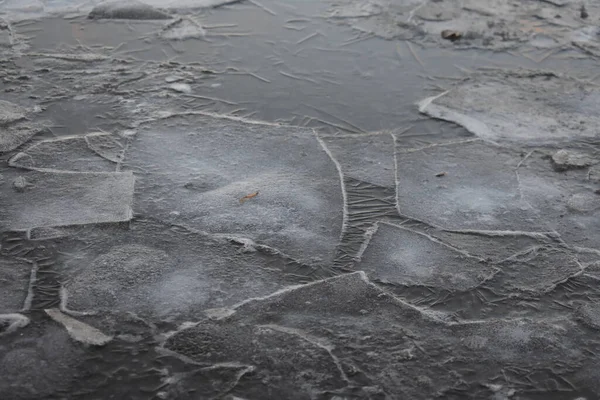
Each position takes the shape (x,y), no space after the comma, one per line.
(96,152)
(166,272)
(463,185)
(44,199)
(529,107)
(368,158)
(273,184)
(352,320)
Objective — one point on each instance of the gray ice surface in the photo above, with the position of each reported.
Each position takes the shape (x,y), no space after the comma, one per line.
(14,284)
(520,106)
(14,127)
(463,185)
(364,342)
(45,199)
(196,170)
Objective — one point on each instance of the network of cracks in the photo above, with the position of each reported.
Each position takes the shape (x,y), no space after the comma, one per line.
(182,253)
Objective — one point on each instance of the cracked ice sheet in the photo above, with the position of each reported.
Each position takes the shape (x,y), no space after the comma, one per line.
(480,189)
(163,271)
(194,171)
(96,152)
(521,106)
(337,327)
(45,199)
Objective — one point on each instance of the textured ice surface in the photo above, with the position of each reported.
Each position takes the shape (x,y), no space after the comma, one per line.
(497,24)
(14,129)
(41,199)
(96,152)
(528,107)
(369,158)
(567,201)
(194,171)
(14,284)
(404,257)
(479,188)
(37,364)
(345,336)
(169,272)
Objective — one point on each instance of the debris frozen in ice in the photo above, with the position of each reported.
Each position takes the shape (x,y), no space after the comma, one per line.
(78,330)
(201,166)
(126,9)
(96,152)
(62,198)
(519,106)
(480,190)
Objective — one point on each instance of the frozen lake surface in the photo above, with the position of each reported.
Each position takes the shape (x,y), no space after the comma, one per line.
(379,199)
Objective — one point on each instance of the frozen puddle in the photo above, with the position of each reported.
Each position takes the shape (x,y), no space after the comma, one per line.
(526,107)
(273,184)
(45,199)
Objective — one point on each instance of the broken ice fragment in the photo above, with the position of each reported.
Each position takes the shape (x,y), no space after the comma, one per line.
(126,9)
(64,198)
(181,87)
(78,330)
(9,323)
(95,152)
(563,160)
(519,106)
(14,129)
